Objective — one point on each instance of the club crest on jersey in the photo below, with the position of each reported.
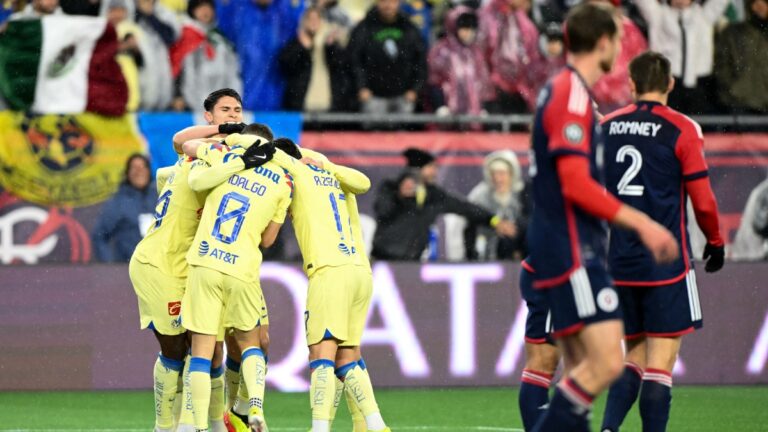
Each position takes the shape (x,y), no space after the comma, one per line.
(574,133)
(174,308)
(204,247)
(607,299)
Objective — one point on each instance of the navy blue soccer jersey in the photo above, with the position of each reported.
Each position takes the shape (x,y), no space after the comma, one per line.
(651,150)
(562,237)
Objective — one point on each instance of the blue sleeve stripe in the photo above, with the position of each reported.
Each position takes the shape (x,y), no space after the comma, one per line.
(341,372)
(314,364)
(199,364)
(175,365)
(361,362)
(696,175)
(252,351)
(217,372)
(233,365)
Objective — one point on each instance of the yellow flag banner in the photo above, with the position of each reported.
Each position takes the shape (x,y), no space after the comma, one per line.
(65,160)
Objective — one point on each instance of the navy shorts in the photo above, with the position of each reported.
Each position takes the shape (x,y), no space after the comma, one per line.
(587,297)
(661,311)
(538,326)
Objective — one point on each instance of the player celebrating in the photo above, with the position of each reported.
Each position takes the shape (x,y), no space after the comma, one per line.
(567,233)
(654,161)
(240,215)
(158,268)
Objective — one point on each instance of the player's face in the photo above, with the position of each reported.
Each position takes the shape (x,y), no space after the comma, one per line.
(138,173)
(204,13)
(226,110)
(611,48)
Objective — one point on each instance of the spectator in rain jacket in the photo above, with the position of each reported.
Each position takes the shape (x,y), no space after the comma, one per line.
(159,32)
(202,60)
(260,29)
(457,71)
(612,91)
(125,218)
(741,62)
(511,46)
(388,60)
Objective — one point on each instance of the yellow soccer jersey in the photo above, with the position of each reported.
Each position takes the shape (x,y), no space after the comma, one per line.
(361,257)
(177,214)
(319,210)
(235,215)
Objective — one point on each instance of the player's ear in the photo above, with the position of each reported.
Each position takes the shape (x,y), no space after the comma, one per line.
(208,117)
(671,84)
(633,88)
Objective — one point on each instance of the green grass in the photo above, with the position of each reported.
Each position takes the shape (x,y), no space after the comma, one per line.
(488,409)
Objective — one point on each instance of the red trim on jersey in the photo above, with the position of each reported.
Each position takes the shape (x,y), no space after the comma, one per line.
(578,187)
(568,330)
(705,209)
(527,266)
(634,336)
(619,112)
(555,281)
(535,341)
(671,334)
(675,279)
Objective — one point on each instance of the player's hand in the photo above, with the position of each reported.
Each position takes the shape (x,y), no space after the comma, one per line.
(506,228)
(659,241)
(256,156)
(230,128)
(716,255)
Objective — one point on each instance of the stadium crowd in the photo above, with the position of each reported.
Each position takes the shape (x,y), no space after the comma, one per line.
(441,56)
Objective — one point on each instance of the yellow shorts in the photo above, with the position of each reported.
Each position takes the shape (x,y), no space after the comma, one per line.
(337,304)
(159,298)
(216,301)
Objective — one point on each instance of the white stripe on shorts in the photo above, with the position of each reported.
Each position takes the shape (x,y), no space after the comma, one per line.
(693,296)
(582,293)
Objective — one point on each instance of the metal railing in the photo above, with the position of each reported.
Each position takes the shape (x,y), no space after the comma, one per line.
(505,122)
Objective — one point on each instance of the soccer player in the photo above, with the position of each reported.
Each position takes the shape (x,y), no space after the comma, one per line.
(326,222)
(541,354)
(654,160)
(223,289)
(567,231)
(158,268)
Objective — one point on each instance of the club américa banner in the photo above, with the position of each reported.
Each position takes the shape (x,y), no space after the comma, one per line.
(65,160)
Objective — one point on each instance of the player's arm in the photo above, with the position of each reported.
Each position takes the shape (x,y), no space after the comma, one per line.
(162,175)
(189,148)
(269,235)
(204,131)
(690,152)
(270,232)
(350,178)
(213,166)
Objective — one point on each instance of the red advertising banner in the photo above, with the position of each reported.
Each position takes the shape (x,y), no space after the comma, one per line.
(429,325)
(31,234)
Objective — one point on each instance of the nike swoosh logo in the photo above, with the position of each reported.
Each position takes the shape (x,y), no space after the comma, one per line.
(261,157)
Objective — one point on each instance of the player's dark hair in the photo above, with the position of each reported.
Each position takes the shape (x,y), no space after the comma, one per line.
(651,72)
(259,129)
(214,97)
(586,24)
(287,145)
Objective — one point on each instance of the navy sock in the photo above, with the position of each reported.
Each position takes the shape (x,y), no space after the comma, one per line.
(569,409)
(655,400)
(534,396)
(621,396)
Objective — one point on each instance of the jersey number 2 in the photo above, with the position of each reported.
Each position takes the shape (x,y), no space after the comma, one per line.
(237,214)
(624,186)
